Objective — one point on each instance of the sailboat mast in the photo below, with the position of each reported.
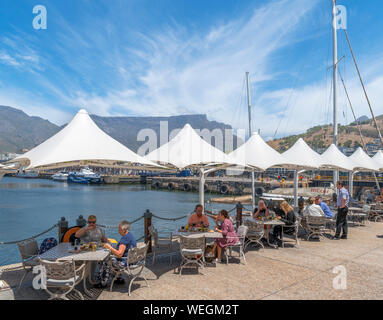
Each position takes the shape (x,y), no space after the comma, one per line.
(335,79)
(250,133)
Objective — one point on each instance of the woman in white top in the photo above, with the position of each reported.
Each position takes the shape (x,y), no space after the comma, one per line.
(313,209)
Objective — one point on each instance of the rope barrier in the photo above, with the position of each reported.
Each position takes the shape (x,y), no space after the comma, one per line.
(36,236)
(114,227)
(170,219)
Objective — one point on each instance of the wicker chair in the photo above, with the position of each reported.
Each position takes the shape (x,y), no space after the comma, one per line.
(241,233)
(29,251)
(192,251)
(135,264)
(159,243)
(63,276)
(316,226)
(255,233)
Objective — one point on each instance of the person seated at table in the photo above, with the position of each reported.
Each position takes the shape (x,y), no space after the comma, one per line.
(325,208)
(287,216)
(91,233)
(229,236)
(198,219)
(313,209)
(261,210)
(301,205)
(379,198)
(120,253)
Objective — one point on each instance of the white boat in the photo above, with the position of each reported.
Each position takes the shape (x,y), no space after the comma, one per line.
(60,176)
(27,174)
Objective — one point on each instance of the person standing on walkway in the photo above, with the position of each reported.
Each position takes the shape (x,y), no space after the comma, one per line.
(341,217)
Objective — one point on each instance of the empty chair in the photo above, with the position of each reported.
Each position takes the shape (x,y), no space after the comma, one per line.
(255,233)
(294,234)
(241,233)
(135,264)
(316,226)
(192,251)
(29,251)
(161,242)
(62,278)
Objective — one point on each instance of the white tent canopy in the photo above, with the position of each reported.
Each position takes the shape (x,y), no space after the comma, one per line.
(334,159)
(362,161)
(257,154)
(378,158)
(300,157)
(188,149)
(80,140)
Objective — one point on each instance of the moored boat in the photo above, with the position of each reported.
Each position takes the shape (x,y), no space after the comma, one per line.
(85,176)
(60,176)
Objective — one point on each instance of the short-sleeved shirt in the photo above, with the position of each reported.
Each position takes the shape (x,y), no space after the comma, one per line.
(327,212)
(129,241)
(198,221)
(313,210)
(95,235)
(262,212)
(343,194)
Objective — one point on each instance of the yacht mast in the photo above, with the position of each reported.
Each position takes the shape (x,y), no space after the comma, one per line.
(335,79)
(250,133)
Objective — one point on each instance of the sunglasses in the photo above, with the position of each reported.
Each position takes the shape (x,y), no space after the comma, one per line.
(92,222)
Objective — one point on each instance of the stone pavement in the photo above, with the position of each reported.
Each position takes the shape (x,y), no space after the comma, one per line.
(305,272)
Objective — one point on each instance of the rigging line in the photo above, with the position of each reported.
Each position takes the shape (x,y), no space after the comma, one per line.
(357,124)
(364,88)
(289,99)
(237,114)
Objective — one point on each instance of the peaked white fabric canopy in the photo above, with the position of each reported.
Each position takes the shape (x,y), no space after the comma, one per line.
(378,158)
(188,149)
(80,140)
(257,154)
(334,159)
(362,161)
(300,156)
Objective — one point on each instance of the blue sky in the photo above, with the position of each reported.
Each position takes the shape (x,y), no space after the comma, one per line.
(170,57)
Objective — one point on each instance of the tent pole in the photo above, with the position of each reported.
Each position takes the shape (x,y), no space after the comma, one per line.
(295,188)
(202,187)
(250,133)
(351,183)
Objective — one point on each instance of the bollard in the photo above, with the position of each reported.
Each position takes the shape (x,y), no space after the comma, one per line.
(80,222)
(147,223)
(239,207)
(62,227)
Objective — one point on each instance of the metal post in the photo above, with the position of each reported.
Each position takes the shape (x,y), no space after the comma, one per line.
(80,222)
(147,223)
(351,182)
(239,208)
(250,133)
(335,80)
(295,188)
(62,227)
(202,188)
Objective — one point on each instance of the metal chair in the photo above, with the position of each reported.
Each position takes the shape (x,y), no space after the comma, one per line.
(315,226)
(63,276)
(29,251)
(192,251)
(241,233)
(135,264)
(255,233)
(294,235)
(160,242)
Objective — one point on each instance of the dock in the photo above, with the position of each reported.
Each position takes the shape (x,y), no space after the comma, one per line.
(308,271)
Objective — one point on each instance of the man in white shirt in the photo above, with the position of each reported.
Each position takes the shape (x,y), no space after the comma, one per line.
(313,209)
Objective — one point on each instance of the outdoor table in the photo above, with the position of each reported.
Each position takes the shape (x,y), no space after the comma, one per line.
(196,234)
(61,253)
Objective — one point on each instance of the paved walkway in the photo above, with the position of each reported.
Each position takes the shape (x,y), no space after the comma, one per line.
(285,273)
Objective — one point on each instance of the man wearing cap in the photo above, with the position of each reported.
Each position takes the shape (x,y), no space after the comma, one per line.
(341,217)
(327,212)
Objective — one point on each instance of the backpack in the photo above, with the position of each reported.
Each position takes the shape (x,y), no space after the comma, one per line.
(47,244)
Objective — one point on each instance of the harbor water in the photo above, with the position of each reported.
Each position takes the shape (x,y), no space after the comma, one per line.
(30,206)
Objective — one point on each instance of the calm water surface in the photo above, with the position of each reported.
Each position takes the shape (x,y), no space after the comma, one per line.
(30,206)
